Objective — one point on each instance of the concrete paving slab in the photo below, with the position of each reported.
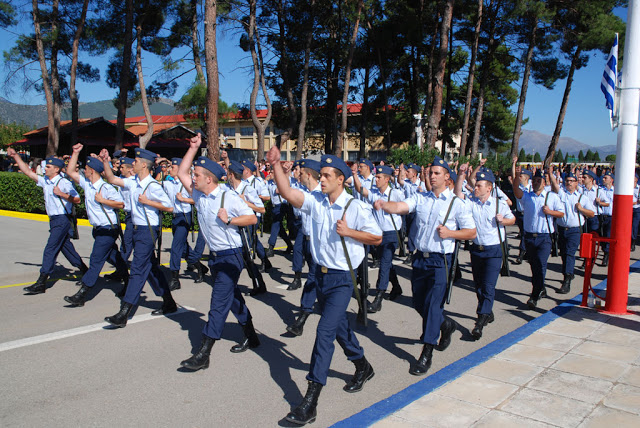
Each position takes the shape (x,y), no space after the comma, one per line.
(507,371)
(604,416)
(542,339)
(542,357)
(467,388)
(577,329)
(581,388)
(548,408)
(631,376)
(499,419)
(590,366)
(607,351)
(439,411)
(624,397)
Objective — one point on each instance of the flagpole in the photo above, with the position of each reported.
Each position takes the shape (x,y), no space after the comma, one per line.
(620,251)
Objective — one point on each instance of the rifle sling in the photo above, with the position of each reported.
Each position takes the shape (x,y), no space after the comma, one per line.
(346,254)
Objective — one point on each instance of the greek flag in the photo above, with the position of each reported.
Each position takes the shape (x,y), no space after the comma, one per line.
(608,83)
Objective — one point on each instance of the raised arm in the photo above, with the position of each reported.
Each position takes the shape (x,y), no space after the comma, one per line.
(108,172)
(73,162)
(392,207)
(515,173)
(358,185)
(555,187)
(294,196)
(462,172)
(22,165)
(184,170)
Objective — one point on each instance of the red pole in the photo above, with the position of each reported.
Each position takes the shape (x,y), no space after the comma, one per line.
(618,275)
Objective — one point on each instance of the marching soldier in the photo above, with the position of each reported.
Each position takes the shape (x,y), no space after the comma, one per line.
(296,215)
(635,219)
(148,200)
(220,214)
(59,194)
(525,185)
(605,206)
(101,200)
(490,215)
(126,172)
(539,207)
(441,219)
(411,185)
(262,190)
(279,209)
(340,225)
(591,191)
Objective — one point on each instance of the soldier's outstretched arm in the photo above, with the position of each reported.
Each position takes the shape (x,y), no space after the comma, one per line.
(294,196)
(73,161)
(108,172)
(184,170)
(22,165)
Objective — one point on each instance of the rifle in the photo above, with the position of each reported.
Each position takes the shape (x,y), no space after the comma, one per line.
(451,274)
(554,238)
(364,288)
(256,277)
(254,241)
(504,247)
(360,297)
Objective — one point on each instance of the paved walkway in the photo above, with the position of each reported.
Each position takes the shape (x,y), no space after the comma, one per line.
(571,367)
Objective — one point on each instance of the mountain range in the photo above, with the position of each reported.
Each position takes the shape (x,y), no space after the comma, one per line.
(36,117)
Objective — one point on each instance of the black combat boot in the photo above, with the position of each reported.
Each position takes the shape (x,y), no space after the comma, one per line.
(306,412)
(376,305)
(396,290)
(83,269)
(297,326)
(201,271)
(175,281)
(38,287)
(250,339)
(409,260)
(297,282)
(269,252)
(483,320)
(446,330)
(363,373)
(169,305)
(605,259)
(200,360)
(120,319)
(265,265)
(566,285)
(423,364)
(79,298)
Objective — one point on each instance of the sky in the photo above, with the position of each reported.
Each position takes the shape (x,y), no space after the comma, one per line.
(586,118)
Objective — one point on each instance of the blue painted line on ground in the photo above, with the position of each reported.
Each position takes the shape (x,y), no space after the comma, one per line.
(401,399)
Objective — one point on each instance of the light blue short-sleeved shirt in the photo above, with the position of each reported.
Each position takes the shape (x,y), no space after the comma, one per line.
(276,199)
(126,195)
(173,187)
(250,194)
(411,188)
(54,204)
(95,212)
(430,213)
(218,235)
(592,194)
(152,190)
(572,218)
(366,183)
(534,220)
(306,220)
(484,217)
(527,188)
(326,246)
(383,218)
(609,193)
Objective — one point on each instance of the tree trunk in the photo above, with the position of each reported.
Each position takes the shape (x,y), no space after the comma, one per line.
(195,42)
(523,90)
(563,109)
(428,96)
(55,77)
(52,143)
(446,137)
(347,78)
(472,71)
(144,139)
(72,75)
(364,113)
(305,87)
(478,122)
(284,72)
(436,111)
(124,75)
(213,90)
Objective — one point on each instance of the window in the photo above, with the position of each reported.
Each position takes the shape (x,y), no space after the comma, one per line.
(352,156)
(229,132)
(246,132)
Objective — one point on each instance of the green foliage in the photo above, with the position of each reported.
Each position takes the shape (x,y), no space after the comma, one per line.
(7,14)
(522,155)
(596,156)
(413,154)
(11,132)
(581,156)
(537,157)
(610,158)
(194,102)
(589,156)
(559,157)
(20,193)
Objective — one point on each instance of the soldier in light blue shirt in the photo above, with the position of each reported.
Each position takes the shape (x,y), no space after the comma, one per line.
(59,194)
(605,206)
(102,201)
(411,185)
(262,190)
(441,219)
(592,192)
(337,219)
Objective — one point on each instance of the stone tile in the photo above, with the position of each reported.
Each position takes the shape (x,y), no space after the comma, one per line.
(607,351)
(605,416)
(478,390)
(590,366)
(438,411)
(551,341)
(577,387)
(627,322)
(396,422)
(624,397)
(507,371)
(613,334)
(498,419)
(547,408)
(531,354)
(631,376)
(578,313)
(571,328)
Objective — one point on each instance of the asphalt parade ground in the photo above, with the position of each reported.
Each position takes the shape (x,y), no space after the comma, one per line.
(63,366)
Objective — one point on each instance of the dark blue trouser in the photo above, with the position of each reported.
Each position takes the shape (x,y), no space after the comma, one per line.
(520,223)
(225,294)
(485,266)
(606,230)
(298,255)
(144,266)
(276,225)
(334,293)
(429,286)
(635,221)
(104,249)
(126,246)
(308,297)
(196,254)
(385,254)
(593,224)
(411,232)
(180,249)
(253,232)
(568,243)
(59,240)
(538,251)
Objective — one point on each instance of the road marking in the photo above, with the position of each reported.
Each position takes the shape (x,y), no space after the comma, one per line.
(49,337)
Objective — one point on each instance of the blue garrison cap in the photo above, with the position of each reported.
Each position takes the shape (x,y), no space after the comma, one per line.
(126,161)
(609,173)
(570,175)
(384,169)
(96,164)
(236,167)
(311,164)
(145,154)
(415,167)
(368,163)
(526,172)
(335,162)
(590,174)
(538,174)
(211,166)
(453,176)
(117,154)
(438,161)
(250,165)
(296,162)
(486,175)
(55,162)
(176,161)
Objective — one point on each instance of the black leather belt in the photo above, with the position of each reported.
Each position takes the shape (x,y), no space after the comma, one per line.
(535,235)
(427,255)
(225,252)
(136,227)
